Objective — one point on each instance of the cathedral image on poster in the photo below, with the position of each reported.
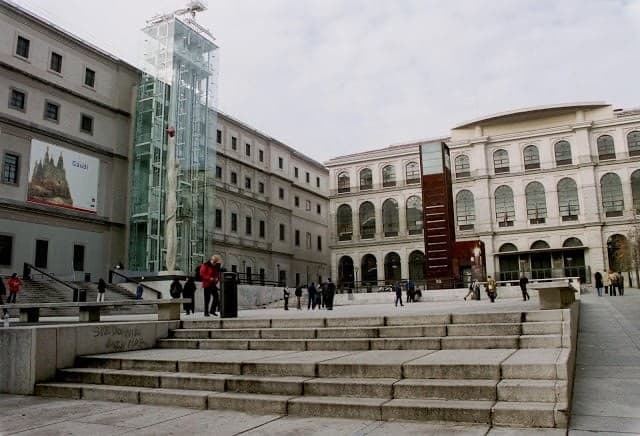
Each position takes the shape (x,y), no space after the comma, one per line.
(61,177)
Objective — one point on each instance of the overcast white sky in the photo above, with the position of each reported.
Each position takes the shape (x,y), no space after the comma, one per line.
(332,77)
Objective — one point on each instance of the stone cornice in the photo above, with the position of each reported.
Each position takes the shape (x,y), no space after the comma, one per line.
(52,211)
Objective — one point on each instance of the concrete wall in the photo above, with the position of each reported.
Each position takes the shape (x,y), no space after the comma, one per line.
(33,354)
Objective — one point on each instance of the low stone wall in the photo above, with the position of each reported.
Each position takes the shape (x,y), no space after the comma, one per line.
(33,354)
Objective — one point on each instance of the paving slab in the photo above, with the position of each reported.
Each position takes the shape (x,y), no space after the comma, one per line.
(531,363)
(458,364)
(378,363)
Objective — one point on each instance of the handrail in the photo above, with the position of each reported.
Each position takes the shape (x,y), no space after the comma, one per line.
(116,272)
(26,274)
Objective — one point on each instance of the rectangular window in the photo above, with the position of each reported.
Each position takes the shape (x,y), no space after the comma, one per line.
(261,188)
(247,225)
(247,183)
(318,209)
(86,124)
(262,228)
(234,178)
(297,235)
(18,100)
(51,111)
(296,201)
(295,172)
(280,163)
(218,172)
(218,218)
(319,243)
(247,149)
(22,47)
(281,193)
(78,257)
(234,222)
(234,143)
(282,232)
(6,249)
(42,253)
(308,177)
(55,63)
(261,155)
(318,182)
(10,169)
(219,136)
(89,77)
(307,205)
(308,237)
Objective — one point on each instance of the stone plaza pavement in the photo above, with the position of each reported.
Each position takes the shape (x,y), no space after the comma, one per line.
(606,393)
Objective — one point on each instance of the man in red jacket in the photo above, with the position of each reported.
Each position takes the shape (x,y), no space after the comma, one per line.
(14,287)
(210,274)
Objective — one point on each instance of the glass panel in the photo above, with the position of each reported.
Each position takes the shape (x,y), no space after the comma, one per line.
(431,158)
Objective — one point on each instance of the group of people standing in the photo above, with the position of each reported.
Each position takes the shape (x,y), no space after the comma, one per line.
(612,282)
(209,273)
(321,296)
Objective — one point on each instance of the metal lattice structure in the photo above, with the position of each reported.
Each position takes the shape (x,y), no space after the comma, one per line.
(177,89)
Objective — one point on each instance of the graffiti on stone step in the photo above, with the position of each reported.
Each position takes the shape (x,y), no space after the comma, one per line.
(120,338)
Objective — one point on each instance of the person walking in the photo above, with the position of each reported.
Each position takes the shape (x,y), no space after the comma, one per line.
(321,296)
(175,290)
(598,283)
(139,289)
(210,274)
(3,292)
(189,292)
(311,296)
(620,284)
(398,290)
(14,287)
(102,287)
(472,286)
(330,292)
(607,283)
(285,295)
(298,294)
(523,287)
(491,289)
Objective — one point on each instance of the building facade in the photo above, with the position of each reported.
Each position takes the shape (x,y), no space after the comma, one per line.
(271,217)
(65,134)
(551,191)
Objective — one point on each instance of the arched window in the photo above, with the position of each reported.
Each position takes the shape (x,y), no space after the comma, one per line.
(562,151)
(611,189)
(392,268)
(465,210)
(367,220)
(344,183)
(414,215)
(635,190)
(539,245)
(390,219)
(568,202)
(505,210)
(412,171)
(633,142)
(416,265)
(463,168)
(536,203)
(501,161)
(508,247)
(618,253)
(606,149)
(388,176)
(366,179)
(572,243)
(369,269)
(346,273)
(531,157)
(344,224)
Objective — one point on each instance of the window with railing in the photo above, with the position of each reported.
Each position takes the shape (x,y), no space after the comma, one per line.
(531,157)
(390,218)
(367,221)
(344,224)
(562,150)
(412,173)
(536,203)
(635,191)
(462,166)
(633,143)
(606,148)
(366,179)
(501,161)
(568,203)
(505,210)
(414,215)
(465,210)
(388,176)
(612,200)
(344,183)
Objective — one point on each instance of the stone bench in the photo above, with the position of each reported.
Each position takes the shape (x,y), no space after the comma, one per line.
(168,309)
(555,296)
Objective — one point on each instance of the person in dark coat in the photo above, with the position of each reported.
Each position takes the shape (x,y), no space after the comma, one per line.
(598,283)
(311,295)
(175,290)
(398,290)
(329,293)
(285,295)
(139,289)
(102,287)
(3,292)
(523,287)
(189,292)
(298,294)
(620,284)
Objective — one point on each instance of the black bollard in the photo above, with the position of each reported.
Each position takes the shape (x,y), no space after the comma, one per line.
(229,297)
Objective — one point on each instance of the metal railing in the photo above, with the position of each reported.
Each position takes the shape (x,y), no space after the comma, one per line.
(127,279)
(78,293)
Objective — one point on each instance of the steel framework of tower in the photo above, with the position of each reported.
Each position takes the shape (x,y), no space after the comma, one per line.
(177,89)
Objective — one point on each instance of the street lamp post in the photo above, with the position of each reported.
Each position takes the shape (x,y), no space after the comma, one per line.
(355,283)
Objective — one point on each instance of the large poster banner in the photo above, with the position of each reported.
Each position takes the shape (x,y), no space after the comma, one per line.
(62,177)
